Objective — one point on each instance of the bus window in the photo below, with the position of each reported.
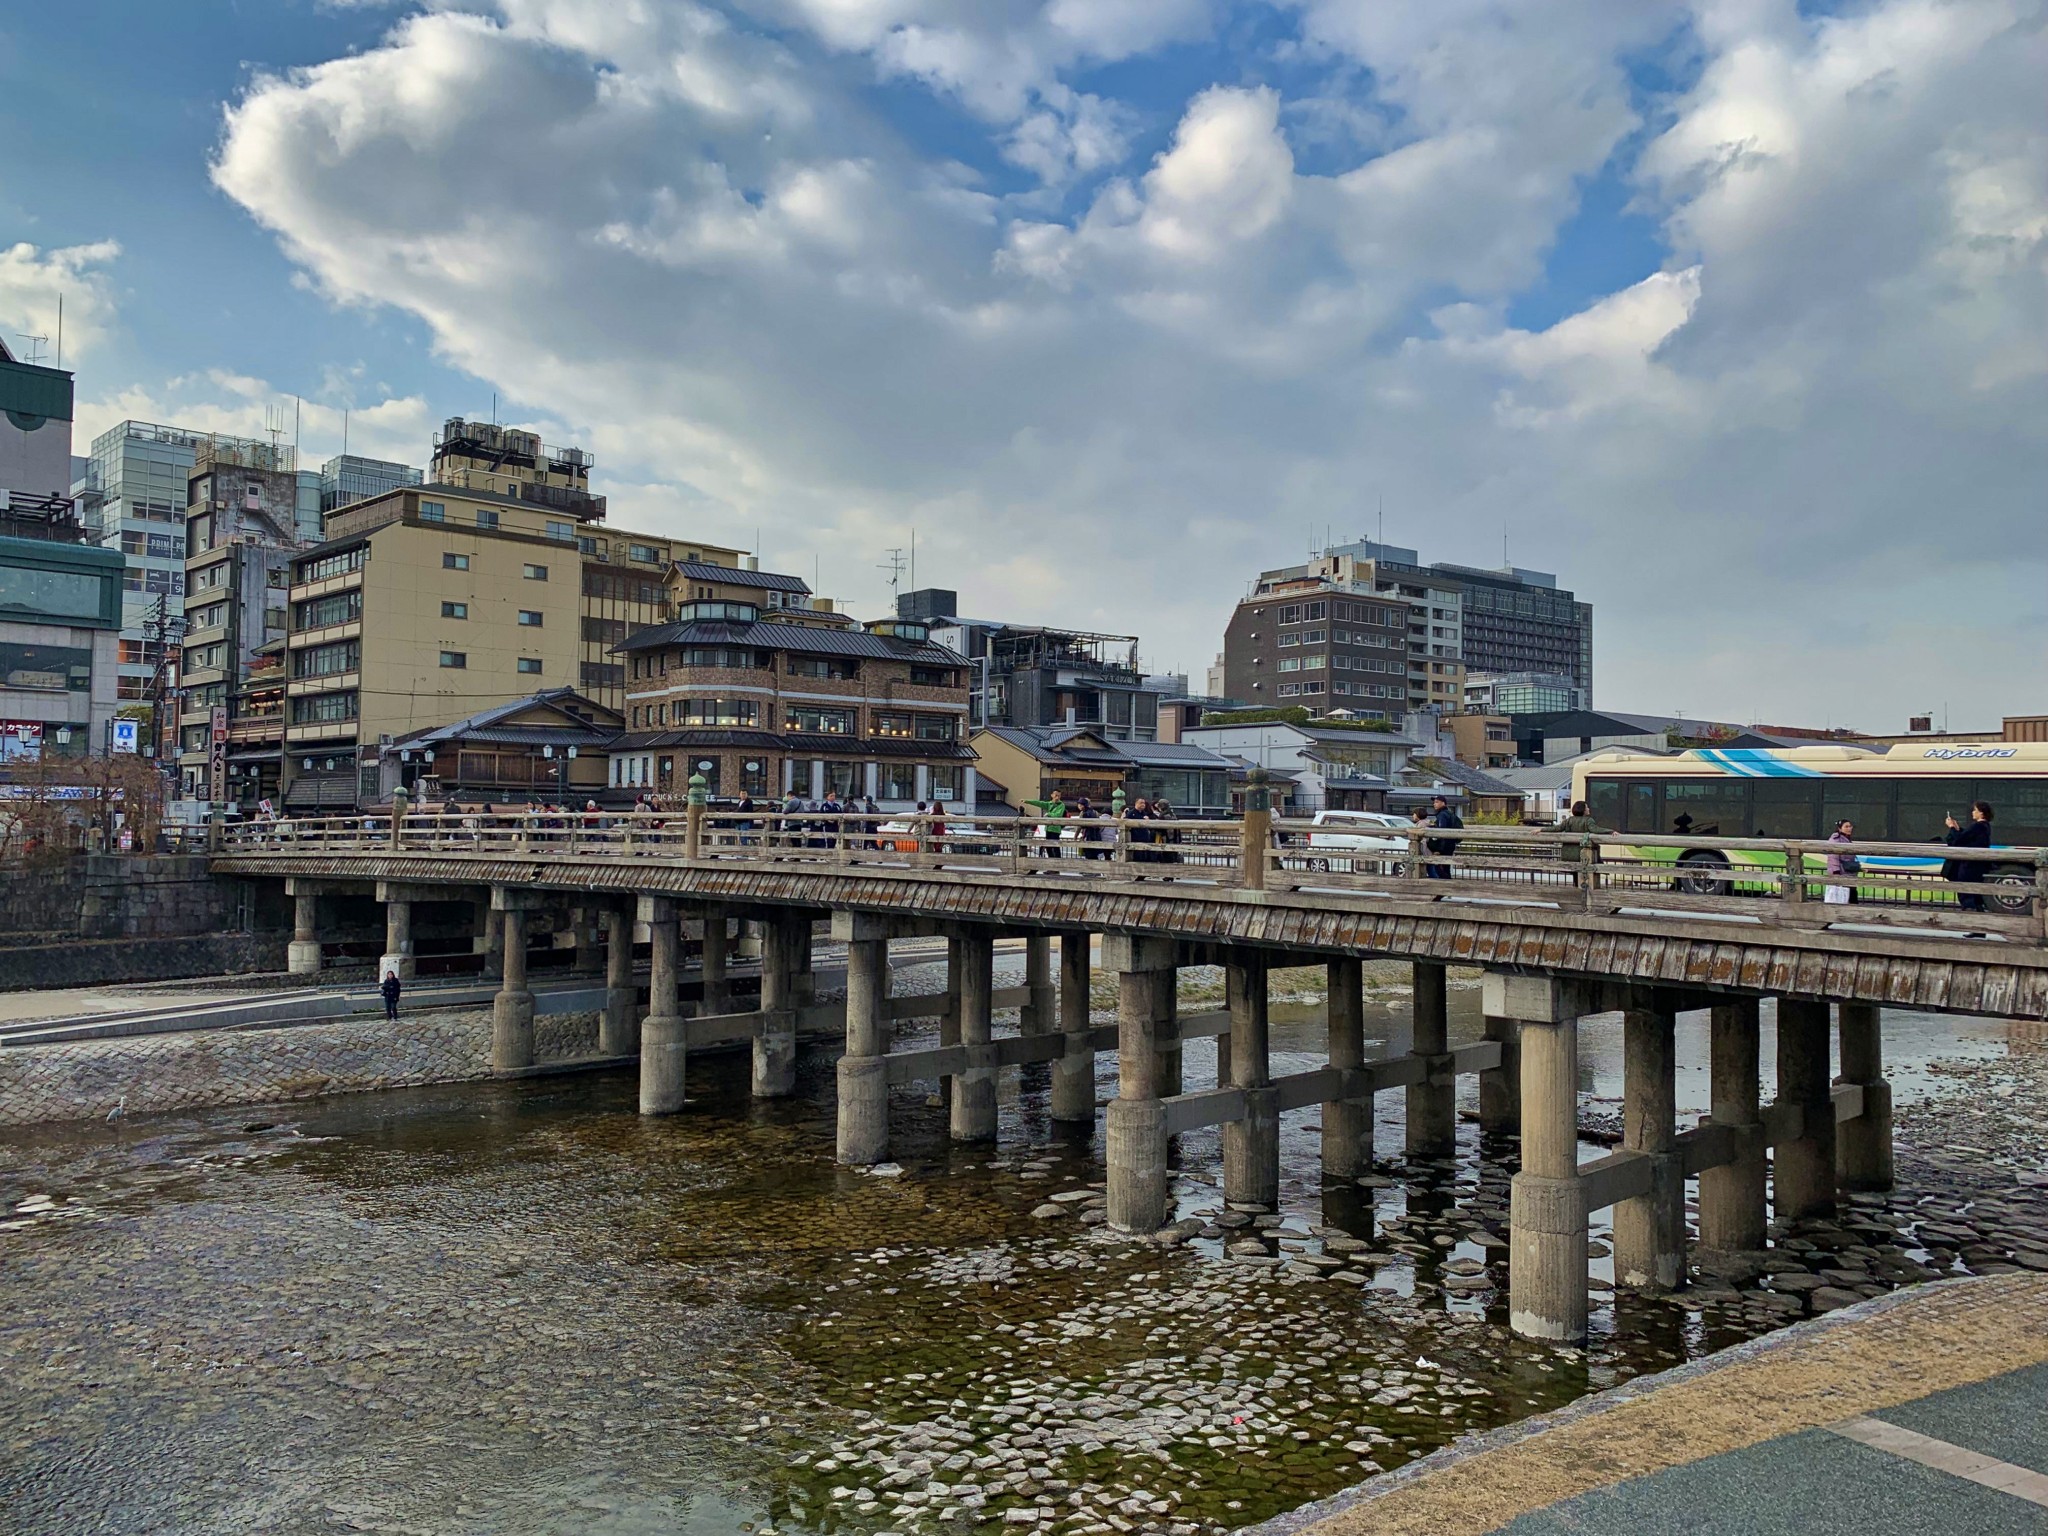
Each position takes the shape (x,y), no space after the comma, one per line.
(1784,807)
(1603,802)
(1865,802)
(1642,807)
(1923,805)
(2019,810)
(1707,807)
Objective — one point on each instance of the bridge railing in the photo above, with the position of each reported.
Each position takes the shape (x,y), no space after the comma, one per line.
(1773,880)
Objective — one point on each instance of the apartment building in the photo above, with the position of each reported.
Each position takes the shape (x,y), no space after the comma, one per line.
(764,702)
(133,494)
(1315,644)
(1436,669)
(430,603)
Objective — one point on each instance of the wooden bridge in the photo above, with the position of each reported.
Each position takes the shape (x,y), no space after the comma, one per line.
(1565,926)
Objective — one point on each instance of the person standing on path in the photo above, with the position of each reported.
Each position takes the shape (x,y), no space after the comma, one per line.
(390,987)
(1580,824)
(1842,864)
(1444,818)
(1968,871)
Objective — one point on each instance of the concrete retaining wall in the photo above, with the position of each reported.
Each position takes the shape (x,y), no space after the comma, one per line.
(131,895)
(147,1074)
(95,962)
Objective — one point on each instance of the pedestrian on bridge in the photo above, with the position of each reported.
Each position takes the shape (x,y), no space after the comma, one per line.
(390,987)
(1967,871)
(1443,817)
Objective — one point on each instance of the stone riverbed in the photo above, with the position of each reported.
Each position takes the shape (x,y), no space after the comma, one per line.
(518,1307)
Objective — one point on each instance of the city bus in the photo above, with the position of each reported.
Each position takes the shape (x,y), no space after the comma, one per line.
(1903,795)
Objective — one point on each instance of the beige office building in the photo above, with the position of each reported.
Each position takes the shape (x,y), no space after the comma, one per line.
(491,582)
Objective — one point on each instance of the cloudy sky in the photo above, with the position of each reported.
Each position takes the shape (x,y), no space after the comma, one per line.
(1732,312)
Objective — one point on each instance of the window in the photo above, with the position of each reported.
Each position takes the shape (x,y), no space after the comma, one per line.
(821,722)
(721,656)
(1312,637)
(339,564)
(1294,639)
(455,610)
(821,666)
(1313,663)
(603,631)
(529,618)
(1706,807)
(455,658)
(603,674)
(324,708)
(46,667)
(899,781)
(318,612)
(645,554)
(1290,664)
(564,533)
(743,712)
(934,728)
(486,517)
(529,664)
(890,724)
(534,572)
(454,562)
(945,782)
(433,512)
(934,677)
(327,660)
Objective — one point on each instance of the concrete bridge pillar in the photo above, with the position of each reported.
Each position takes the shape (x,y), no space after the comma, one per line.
(1432,1103)
(949,1020)
(716,992)
(785,957)
(1347,1123)
(618,1030)
(1864,1145)
(302,956)
(1039,1016)
(1547,1222)
(491,943)
(1500,1088)
(1073,1075)
(974,1090)
(1649,1230)
(803,982)
(1732,1215)
(664,1041)
(512,1009)
(863,1071)
(1251,1146)
(585,920)
(398,948)
(1166,1036)
(1137,1120)
(1803,1164)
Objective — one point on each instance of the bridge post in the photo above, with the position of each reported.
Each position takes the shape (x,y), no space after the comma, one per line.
(974,1090)
(1547,1207)
(1073,1075)
(786,943)
(1251,1146)
(584,919)
(803,982)
(1864,1145)
(1500,1088)
(491,942)
(1347,1123)
(617,1030)
(715,993)
(398,950)
(664,1040)
(302,957)
(1732,1216)
(1136,1127)
(863,1127)
(949,1021)
(1432,1103)
(1649,1230)
(1166,1036)
(1040,1016)
(512,1008)
(1803,1165)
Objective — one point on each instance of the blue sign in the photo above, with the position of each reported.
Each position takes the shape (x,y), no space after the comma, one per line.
(123,735)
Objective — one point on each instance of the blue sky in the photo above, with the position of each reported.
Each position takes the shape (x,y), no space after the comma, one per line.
(1110,299)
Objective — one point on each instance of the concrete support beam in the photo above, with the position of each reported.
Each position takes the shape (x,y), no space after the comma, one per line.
(1732,1214)
(664,1038)
(949,1018)
(618,1029)
(1547,1208)
(1347,1123)
(585,922)
(302,957)
(1500,1090)
(1073,1075)
(1863,1145)
(512,1008)
(492,944)
(398,951)
(785,958)
(716,991)
(863,1129)
(1137,1120)
(973,1115)
(1803,1165)
(1040,1014)
(1251,1144)
(1432,1103)
(1649,1229)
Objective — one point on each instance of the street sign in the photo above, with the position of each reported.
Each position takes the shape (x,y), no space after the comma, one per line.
(217,757)
(124,736)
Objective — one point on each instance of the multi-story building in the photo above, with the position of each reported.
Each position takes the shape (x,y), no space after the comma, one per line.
(427,604)
(1030,675)
(242,527)
(136,486)
(348,478)
(1309,642)
(1482,740)
(1436,672)
(1513,620)
(35,429)
(764,702)
(1523,693)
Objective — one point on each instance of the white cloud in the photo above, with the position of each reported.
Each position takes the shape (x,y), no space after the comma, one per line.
(33,281)
(720,263)
(399,428)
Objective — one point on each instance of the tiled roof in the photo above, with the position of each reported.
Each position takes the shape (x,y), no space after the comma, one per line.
(732,576)
(810,639)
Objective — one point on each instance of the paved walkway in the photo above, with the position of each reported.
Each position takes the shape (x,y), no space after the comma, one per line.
(1923,1411)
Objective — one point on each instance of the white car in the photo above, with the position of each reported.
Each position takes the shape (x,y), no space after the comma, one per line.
(1371,842)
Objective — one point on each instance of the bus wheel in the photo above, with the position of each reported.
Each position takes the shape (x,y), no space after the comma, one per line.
(1703,874)
(2009,888)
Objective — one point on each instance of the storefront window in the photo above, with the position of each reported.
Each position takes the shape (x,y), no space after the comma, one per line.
(51,667)
(945,782)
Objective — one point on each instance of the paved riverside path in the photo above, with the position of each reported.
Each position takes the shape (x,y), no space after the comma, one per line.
(1920,1412)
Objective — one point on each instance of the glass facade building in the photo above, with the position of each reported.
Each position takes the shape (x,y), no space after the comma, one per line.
(349,477)
(137,480)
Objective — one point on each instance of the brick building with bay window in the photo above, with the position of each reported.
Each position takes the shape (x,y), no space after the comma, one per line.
(763,702)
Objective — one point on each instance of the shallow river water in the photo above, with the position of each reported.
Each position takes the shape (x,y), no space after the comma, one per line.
(519,1307)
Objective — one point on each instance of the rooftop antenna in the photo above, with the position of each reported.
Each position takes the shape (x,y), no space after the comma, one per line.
(894,566)
(913,559)
(60,330)
(35,347)
(344,431)
(1383,525)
